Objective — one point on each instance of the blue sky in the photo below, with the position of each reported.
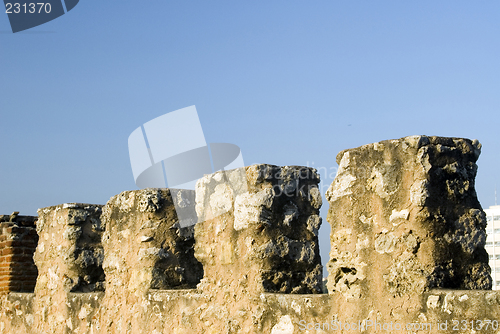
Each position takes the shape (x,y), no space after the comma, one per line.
(290,82)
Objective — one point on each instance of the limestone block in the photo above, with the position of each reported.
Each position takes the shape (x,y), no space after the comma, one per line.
(145,246)
(69,254)
(405,218)
(264,237)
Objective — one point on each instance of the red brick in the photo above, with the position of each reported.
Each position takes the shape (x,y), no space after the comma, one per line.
(25,243)
(27,279)
(16,265)
(27,238)
(24,258)
(12,257)
(4,244)
(24,271)
(29,273)
(21,243)
(4,284)
(10,250)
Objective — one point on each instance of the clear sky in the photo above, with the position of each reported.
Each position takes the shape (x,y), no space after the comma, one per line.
(290,82)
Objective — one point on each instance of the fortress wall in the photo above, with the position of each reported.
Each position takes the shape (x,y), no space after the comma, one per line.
(407,247)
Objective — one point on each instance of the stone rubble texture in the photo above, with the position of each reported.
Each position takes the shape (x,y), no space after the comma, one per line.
(271,232)
(405,219)
(407,246)
(146,250)
(69,259)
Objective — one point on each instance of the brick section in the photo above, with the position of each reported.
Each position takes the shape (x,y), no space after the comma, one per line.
(18,240)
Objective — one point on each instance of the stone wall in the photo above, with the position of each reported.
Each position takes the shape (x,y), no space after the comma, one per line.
(407,250)
(405,219)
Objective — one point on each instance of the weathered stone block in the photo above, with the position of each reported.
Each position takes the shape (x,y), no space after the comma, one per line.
(263,230)
(146,248)
(69,258)
(405,218)
(400,210)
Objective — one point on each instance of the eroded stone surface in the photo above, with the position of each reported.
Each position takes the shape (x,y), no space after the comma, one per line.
(272,227)
(146,249)
(145,244)
(69,258)
(262,236)
(405,218)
